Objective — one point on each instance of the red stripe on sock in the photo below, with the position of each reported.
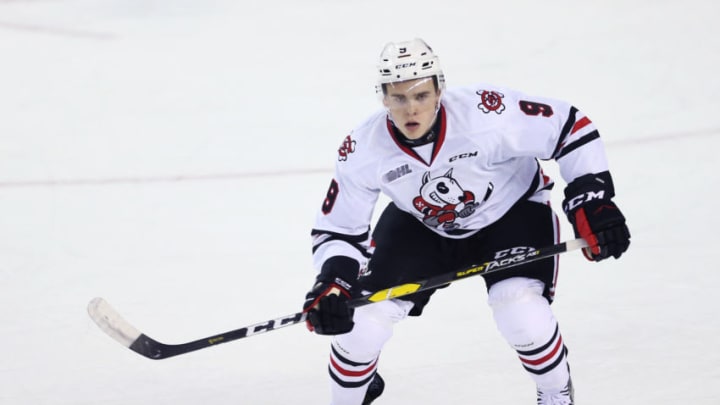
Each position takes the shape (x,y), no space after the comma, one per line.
(545,358)
(349,373)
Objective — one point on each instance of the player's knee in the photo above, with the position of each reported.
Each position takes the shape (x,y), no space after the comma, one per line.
(513,290)
(373,328)
(522,315)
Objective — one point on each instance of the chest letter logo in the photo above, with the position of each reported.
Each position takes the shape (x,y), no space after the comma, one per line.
(347,147)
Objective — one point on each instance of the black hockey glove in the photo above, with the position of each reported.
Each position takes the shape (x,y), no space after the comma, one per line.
(326,304)
(595,217)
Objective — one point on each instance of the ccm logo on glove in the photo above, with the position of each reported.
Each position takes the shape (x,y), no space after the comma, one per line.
(583,198)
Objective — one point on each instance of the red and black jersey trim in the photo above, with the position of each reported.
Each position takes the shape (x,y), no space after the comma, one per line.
(536,184)
(397,136)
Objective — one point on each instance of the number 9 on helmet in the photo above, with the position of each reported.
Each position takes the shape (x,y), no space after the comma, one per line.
(408,60)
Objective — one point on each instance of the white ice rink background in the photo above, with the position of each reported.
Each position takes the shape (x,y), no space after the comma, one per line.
(170,156)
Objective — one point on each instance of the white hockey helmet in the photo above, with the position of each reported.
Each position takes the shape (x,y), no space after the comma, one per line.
(408,60)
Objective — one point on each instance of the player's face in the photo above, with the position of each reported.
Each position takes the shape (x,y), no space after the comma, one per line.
(412,105)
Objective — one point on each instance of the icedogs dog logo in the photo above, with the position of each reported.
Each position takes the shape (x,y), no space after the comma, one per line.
(442,200)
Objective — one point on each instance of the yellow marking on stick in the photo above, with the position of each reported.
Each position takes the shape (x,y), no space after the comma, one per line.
(394,292)
(216,340)
(476,269)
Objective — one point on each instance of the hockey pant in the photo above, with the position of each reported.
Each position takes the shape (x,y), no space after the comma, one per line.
(522,315)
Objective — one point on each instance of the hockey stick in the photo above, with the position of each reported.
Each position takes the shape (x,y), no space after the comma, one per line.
(119,329)
(474,270)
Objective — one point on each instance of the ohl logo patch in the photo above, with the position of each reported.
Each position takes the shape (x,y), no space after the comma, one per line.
(491,101)
(347,147)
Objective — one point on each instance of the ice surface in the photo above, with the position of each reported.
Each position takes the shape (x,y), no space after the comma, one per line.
(170,155)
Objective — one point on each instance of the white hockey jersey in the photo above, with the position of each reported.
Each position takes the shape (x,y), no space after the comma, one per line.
(483,160)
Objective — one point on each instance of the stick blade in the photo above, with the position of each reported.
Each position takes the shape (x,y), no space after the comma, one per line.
(111,322)
(115,326)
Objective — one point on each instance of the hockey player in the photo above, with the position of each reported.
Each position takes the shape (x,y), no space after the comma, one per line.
(461,168)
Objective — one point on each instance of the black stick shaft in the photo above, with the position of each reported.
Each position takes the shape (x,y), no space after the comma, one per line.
(118,328)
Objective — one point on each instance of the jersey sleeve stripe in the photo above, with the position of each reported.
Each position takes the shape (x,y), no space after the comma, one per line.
(591,136)
(569,125)
(584,121)
(320,238)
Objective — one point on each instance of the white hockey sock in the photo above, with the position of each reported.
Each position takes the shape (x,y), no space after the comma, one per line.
(349,379)
(354,355)
(524,318)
